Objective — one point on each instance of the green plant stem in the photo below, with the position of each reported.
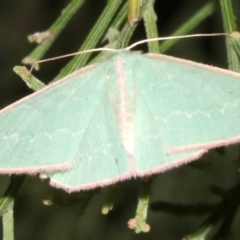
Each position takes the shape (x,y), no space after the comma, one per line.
(189,25)
(115,25)
(229,24)
(8,222)
(6,206)
(125,36)
(127,30)
(120,18)
(142,207)
(150,18)
(10,193)
(31,81)
(133,11)
(93,38)
(202,234)
(109,201)
(55,30)
(235,40)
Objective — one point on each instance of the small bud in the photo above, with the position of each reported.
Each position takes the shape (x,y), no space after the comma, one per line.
(48,201)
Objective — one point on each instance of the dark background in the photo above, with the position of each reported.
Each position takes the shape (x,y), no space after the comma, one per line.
(185,185)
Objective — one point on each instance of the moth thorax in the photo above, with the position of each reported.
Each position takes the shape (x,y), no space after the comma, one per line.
(125,105)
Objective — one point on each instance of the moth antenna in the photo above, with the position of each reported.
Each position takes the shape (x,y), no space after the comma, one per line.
(73,54)
(175,37)
(129,47)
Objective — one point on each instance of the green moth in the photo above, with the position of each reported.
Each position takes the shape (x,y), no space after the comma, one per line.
(128,116)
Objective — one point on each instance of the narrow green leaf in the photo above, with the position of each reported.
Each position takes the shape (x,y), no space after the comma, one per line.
(10,193)
(139,222)
(229,24)
(8,222)
(133,11)
(31,81)
(150,18)
(54,31)
(97,32)
(189,25)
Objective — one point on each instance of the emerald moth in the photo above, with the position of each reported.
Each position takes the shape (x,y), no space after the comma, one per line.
(129,116)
